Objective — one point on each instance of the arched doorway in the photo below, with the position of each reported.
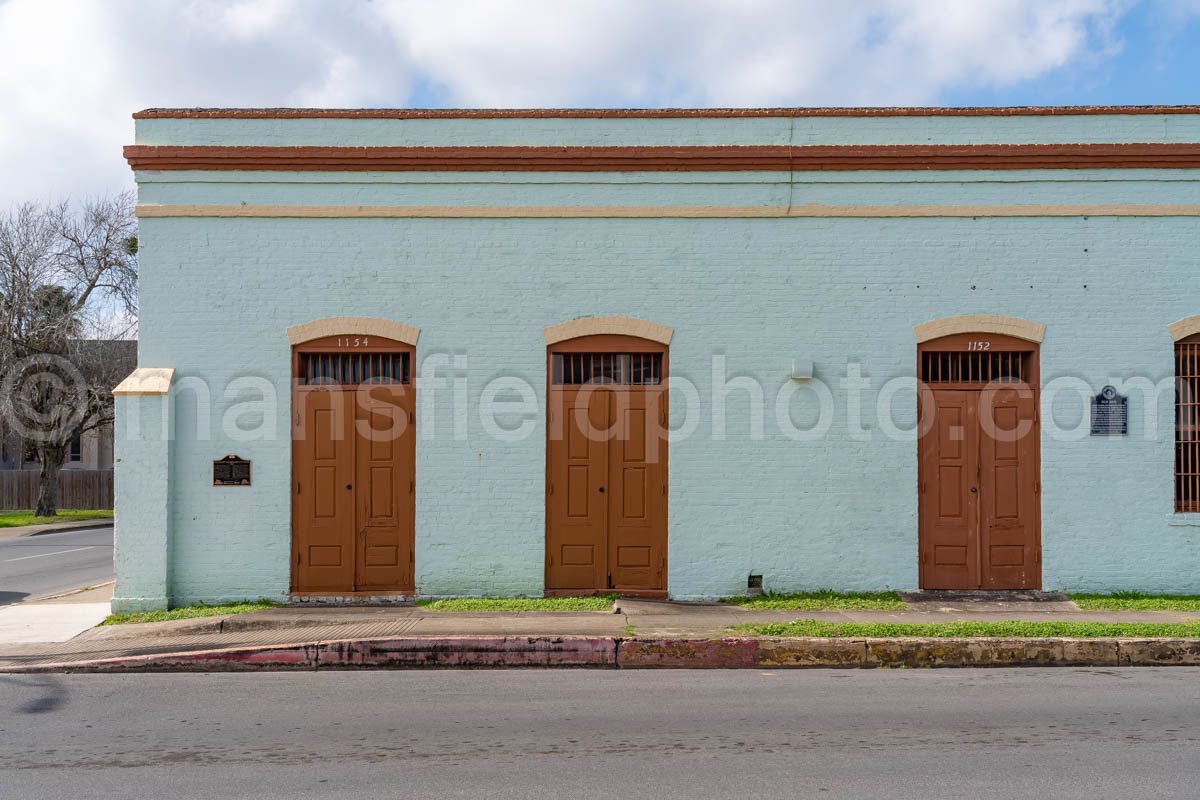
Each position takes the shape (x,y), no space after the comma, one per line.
(353,458)
(979,460)
(606,465)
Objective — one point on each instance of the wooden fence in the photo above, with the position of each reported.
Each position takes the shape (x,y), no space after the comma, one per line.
(77,488)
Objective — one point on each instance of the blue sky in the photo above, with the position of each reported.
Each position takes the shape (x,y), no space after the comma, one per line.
(72,71)
(1155,61)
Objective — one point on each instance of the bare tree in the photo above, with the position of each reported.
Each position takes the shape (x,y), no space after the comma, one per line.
(68,281)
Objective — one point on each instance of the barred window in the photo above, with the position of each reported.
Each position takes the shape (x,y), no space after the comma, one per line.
(352,369)
(609,369)
(1187,424)
(976,367)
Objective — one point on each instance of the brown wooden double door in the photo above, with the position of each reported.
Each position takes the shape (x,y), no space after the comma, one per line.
(606,486)
(353,487)
(980,510)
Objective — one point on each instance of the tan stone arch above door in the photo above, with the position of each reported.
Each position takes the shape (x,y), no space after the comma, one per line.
(980,323)
(1188,326)
(352,326)
(618,326)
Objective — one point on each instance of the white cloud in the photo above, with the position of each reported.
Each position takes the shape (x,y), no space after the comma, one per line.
(738,53)
(72,71)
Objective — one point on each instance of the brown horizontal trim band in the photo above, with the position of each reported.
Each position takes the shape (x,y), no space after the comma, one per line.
(649,113)
(668,159)
(149,210)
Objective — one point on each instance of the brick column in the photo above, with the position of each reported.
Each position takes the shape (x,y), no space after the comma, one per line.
(142,462)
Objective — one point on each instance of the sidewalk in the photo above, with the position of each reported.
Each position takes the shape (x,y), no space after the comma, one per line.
(59,618)
(635,633)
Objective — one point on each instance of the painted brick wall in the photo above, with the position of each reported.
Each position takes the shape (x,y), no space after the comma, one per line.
(218,294)
(838,512)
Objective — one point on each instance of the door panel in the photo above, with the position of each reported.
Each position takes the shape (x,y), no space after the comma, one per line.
(385,451)
(578,465)
(949,519)
(1008,486)
(637,475)
(324,496)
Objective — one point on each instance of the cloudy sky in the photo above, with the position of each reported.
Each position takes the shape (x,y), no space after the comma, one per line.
(72,71)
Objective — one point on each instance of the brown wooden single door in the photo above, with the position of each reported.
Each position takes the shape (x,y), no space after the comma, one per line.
(1009,491)
(353,462)
(577,487)
(385,452)
(637,477)
(949,460)
(606,467)
(324,499)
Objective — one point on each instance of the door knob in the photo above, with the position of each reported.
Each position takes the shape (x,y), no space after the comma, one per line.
(351,486)
(973,490)
(601,489)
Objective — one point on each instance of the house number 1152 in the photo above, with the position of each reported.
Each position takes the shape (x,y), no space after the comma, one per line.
(981,345)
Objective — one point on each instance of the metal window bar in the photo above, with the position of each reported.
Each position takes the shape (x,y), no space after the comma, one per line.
(976,368)
(1187,427)
(606,369)
(353,369)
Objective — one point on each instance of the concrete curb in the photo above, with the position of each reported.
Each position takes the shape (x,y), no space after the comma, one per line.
(69,592)
(618,653)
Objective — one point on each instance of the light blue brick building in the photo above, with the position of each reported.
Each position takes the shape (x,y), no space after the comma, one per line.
(786,266)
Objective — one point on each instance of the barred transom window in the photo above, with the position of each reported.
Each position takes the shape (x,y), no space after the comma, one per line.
(978,367)
(608,369)
(352,369)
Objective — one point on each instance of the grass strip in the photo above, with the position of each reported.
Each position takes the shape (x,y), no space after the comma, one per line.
(598,603)
(16,519)
(1004,629)
(1137,601)
(188,612)
(823,600)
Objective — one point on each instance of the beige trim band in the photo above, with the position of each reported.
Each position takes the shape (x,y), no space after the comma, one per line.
(353,326)
(618,326)
(146,381)
(152,210)
(980,323)
(1188,326)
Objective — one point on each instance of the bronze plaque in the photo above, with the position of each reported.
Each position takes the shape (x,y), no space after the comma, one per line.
(231,471)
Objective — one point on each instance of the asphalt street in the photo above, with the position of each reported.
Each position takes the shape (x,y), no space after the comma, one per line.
(42,565)
(1058,733)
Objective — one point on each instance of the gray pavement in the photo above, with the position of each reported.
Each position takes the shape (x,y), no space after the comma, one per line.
(1060,733)
(49,563)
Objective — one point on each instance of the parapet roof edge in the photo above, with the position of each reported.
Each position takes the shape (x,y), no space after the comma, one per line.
(653,113)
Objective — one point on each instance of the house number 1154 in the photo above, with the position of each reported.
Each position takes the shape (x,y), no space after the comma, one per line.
(357,341)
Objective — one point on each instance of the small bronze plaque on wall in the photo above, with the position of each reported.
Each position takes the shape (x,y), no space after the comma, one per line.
(231,471)
(1110,413)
